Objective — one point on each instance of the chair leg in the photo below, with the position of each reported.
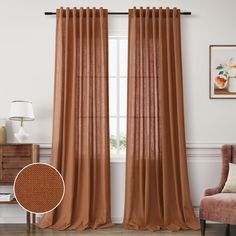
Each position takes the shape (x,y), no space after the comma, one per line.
(227,231)
(203,226)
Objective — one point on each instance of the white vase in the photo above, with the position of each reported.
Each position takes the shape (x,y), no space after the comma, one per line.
(21,136)
(232,85)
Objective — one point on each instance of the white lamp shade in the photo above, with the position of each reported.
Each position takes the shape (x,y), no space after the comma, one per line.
(21,110)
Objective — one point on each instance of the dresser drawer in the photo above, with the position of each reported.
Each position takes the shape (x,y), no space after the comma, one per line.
(15,163)
(16,150)
(8,175)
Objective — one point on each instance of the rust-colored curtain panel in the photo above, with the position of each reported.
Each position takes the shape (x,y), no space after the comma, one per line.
(81,121)
(157,189)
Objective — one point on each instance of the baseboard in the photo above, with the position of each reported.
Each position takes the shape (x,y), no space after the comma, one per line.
(12,220)
(114,219)
(117,219)
(22,220)
(196,211)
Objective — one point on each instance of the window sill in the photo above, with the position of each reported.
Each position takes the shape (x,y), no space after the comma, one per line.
(117,159)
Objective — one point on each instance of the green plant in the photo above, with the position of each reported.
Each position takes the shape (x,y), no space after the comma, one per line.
(122,142)
(113,142)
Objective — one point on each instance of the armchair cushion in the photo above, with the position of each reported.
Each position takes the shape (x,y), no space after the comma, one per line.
(230,185)
(220,207)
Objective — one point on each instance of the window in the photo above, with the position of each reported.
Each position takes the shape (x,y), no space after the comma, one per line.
(118,94)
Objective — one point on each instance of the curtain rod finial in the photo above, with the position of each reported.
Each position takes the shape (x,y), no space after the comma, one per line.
(49,13)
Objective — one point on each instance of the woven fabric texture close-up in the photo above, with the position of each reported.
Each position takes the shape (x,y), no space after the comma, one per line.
(39,188)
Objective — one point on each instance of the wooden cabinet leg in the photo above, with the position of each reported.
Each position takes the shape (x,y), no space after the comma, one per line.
(33,219)
(28,220)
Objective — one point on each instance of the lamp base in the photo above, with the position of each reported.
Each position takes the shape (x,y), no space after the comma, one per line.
(21,136)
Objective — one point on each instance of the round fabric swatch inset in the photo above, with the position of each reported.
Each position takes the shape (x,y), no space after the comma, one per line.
(39,188)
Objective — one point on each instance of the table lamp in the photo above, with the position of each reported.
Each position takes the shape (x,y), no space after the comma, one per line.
(21,111)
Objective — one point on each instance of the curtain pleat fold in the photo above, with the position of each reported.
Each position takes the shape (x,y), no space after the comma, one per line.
(80,147)
(157,189)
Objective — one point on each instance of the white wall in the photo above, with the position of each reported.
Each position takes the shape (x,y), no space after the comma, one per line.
(27,72)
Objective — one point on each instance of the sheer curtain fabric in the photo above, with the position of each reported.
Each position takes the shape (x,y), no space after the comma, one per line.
(157,188)
(80,147)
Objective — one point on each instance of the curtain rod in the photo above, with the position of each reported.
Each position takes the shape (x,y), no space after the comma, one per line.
(116,13)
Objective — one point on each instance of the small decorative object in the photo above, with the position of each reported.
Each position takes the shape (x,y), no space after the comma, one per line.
(3,132)
(6,197)
(21,111)
(222,71)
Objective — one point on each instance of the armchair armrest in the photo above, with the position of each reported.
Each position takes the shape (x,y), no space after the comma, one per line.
(212,191)
(226,151)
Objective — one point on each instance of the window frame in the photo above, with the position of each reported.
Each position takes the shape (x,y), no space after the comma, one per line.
(117,156)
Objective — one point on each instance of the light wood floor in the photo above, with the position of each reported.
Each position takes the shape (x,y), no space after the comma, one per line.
(21,230)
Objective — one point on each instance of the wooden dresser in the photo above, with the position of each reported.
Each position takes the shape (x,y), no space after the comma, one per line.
(13,157)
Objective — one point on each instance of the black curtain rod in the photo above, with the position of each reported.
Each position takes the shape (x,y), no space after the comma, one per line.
(115,13)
